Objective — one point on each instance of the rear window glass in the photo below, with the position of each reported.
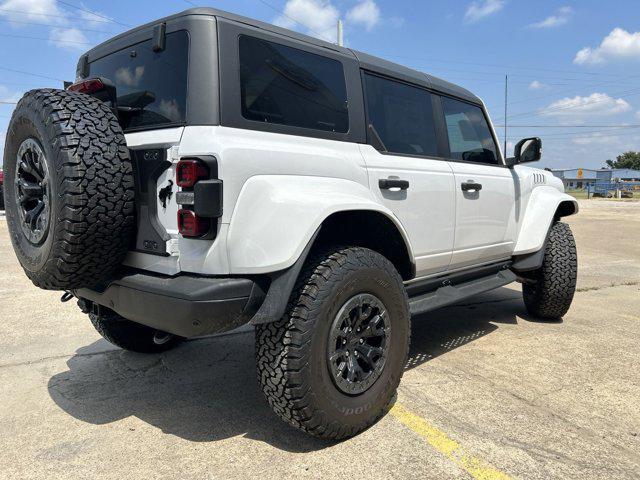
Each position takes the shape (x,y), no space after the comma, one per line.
(288,86)
(469,136)
(402,116)
(152,86)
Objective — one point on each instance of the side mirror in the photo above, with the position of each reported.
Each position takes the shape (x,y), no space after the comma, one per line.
(526,150)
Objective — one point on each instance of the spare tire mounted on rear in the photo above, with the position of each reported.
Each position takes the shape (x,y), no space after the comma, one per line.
(69,189)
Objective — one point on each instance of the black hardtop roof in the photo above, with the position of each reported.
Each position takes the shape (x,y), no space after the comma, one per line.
(366,61)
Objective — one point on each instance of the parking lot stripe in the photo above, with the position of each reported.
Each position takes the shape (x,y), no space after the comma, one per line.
(439,440)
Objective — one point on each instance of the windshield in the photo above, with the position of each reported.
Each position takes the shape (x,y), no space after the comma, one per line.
(151,86)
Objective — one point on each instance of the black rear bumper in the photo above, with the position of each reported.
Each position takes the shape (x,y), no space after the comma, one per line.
(184,305)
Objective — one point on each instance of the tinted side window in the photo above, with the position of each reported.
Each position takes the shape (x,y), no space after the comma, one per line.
(402,115)
(288,86)
(469,136)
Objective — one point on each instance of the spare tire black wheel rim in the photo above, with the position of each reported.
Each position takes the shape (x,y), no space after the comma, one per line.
(358,343)
(32,191)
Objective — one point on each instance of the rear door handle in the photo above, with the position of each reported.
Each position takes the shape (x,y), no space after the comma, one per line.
(471,186)
(389,183)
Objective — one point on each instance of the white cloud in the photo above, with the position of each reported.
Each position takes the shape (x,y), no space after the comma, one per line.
(364,13)
(596,139)
(63,34)
(618,45)
(170,109)
(319,17)
(536,85)
(638,114)
(559,18)
(599,104)
(480,9)
(94,19)
(68,38)
(34,10)
(128,77)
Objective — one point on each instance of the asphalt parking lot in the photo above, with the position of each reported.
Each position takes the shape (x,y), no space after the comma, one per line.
(487,393)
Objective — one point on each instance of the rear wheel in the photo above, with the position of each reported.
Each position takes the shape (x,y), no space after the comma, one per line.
(332,364)
(132,336)
(550,293)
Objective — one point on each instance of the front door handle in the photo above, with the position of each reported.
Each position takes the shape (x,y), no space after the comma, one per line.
(471,186)
(389,183)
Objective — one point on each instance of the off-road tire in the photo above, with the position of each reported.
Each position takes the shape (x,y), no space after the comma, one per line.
(291,352)
(554,284)
(132,336)
(91,189)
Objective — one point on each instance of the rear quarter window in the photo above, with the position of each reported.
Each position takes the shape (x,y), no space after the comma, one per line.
(288,86)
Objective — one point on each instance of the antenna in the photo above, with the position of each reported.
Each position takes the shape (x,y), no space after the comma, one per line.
(340,34)
(506,98)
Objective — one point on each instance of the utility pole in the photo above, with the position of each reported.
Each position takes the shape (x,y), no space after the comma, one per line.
(340,34)
(506,98)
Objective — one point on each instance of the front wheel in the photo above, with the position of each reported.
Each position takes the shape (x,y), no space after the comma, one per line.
(332,364)
(550,293)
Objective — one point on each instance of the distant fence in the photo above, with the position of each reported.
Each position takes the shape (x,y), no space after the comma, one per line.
(614,189)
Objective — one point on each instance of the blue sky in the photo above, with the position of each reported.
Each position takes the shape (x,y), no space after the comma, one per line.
(573,66)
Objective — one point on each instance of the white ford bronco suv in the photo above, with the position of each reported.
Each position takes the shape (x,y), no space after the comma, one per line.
(207,171)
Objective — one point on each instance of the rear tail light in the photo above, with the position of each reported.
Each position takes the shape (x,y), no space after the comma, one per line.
(190,225)
(188,172)
(91,85)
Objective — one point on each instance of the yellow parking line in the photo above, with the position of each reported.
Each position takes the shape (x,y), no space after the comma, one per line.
(439,440)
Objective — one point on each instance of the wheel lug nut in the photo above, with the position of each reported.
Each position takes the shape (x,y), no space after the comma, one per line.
(344,342)
(361,341)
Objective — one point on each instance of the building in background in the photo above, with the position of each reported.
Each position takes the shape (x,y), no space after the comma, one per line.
(581,178)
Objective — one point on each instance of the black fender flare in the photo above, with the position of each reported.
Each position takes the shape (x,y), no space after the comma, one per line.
(282,283)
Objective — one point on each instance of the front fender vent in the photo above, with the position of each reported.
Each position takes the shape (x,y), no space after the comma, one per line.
(539,179)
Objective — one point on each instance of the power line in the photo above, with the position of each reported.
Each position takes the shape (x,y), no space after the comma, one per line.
(3,102)
(93,13)
(21,12)
(31,74)
(45,39)
(571,126)
(56,26)
(546,111)
(583,137)
(508,67)
(570,134)
(320,35)
(559,92)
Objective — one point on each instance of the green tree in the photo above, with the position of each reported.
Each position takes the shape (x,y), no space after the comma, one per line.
(626,160)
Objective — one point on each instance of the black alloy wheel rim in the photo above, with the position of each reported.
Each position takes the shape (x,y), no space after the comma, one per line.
(358,344)
(32,191)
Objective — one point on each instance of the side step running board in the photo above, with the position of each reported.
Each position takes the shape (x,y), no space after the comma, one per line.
(446,295)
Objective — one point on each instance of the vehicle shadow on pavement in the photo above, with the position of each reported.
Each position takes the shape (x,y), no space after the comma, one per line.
(206,390)
(203,391)
(438,332)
